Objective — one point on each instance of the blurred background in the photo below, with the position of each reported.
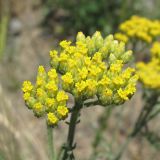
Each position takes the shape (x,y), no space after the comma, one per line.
(28,31)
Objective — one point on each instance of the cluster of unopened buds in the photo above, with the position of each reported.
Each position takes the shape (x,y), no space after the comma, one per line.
(138,28)
(92,68)
(45,97)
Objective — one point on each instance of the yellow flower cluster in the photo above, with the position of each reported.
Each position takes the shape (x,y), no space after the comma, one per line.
(121,37)
(155,50)
(44,98)
(94,66)
(149,73)
(139,28)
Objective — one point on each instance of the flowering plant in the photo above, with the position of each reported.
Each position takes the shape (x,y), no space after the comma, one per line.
(138,28)
(147,31)
(91,69)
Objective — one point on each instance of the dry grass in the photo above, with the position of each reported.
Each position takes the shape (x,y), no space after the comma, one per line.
(16,139)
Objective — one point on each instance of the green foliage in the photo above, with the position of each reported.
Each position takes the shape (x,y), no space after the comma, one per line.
(90,15)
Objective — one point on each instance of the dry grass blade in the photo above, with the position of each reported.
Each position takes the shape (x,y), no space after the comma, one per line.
(16,143)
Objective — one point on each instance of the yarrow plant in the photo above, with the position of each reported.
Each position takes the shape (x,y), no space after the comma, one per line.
(91,69)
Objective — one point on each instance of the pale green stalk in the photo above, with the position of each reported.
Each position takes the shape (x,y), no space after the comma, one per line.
(51,151)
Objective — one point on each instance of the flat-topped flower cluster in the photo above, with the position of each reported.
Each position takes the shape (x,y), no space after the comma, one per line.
(92,67)
(138,28)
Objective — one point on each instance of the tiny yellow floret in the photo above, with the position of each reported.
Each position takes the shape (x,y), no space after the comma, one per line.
(67,78)
(61,96)
(123,94)
(62,111)
(52,119)
(27,86)
(52,74)
(41,69)
(26,96)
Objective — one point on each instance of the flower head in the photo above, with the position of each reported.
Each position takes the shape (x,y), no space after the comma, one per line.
(45,99)
(91,67)
(92,64)
(149,73)
(139,28)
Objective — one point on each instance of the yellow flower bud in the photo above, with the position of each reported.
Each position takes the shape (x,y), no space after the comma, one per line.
(52,74)
(80,86)
(123,94)
(27,86)
(80,37)
(52,120)
(62,111)
(51,86)
(61,96)
(65,44)
(26,96)
(38,109)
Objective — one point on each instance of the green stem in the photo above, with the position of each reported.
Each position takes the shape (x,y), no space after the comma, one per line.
(153,115)
(70,145)
(140,123)
(102,127)
(122,149)
(51,152)
(145,113)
